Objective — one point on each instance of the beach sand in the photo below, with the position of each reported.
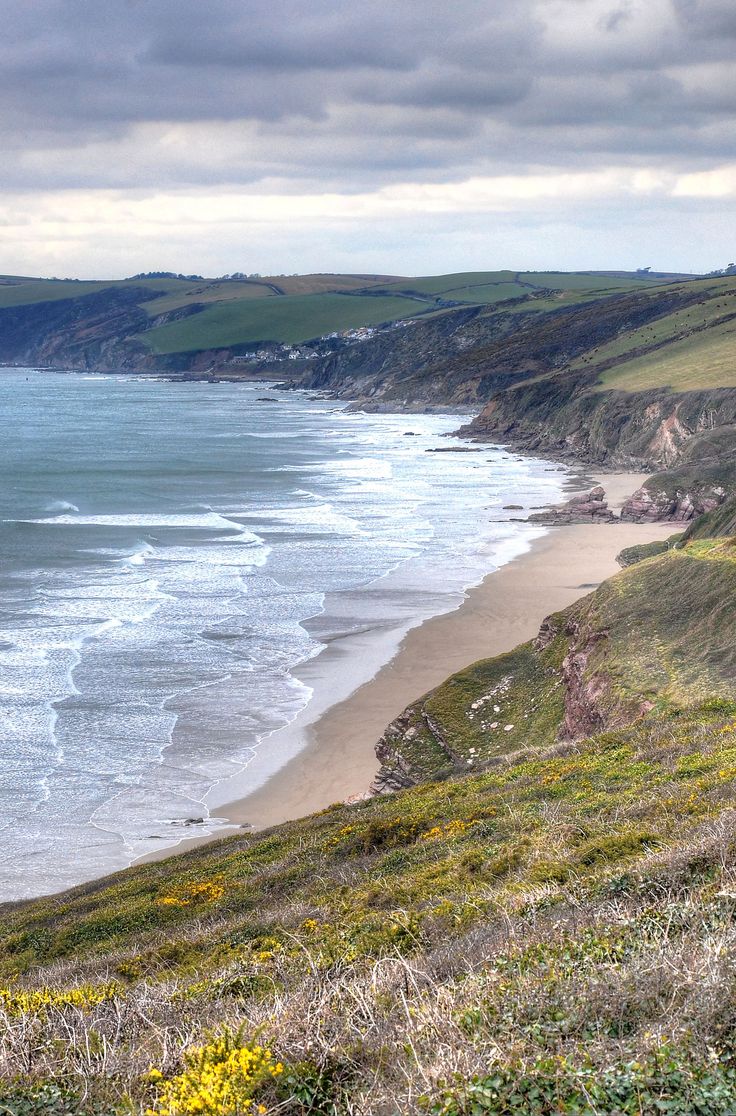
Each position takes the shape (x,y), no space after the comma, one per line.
(338,760)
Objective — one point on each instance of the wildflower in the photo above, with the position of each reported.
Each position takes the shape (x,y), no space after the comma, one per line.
(205,891)
(220,1079)
(37,1001)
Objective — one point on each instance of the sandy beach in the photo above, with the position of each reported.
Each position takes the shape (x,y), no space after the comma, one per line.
(338,760)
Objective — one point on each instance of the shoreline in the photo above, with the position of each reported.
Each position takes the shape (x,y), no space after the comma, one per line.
(338,760)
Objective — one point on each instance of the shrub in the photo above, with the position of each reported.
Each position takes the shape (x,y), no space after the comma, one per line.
(221,1079)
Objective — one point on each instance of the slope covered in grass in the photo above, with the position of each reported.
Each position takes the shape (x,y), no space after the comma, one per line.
(719,522)
(172,316)
(550,928)
(289,319)
(532,930)
(660,635)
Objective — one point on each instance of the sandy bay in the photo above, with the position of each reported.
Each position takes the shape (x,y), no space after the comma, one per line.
(337,758)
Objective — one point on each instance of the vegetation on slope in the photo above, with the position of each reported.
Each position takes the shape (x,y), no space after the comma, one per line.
(549,929)
(559,924)
(630,555)
(721,521)
(660,635)
(186,316)
(291,319)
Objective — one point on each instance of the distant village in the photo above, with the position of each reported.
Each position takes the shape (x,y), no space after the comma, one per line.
(320,347)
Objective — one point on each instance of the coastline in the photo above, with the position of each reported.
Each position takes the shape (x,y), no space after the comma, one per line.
(338,761)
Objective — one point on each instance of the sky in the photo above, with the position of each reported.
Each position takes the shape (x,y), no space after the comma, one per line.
(386,136)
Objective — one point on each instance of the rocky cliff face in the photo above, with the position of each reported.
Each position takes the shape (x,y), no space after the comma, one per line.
(561,416)
(93,332)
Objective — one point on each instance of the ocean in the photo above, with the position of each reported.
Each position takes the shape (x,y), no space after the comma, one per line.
(169,553)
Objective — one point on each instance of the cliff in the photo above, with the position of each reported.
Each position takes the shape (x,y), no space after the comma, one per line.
(464,357)
(530,931)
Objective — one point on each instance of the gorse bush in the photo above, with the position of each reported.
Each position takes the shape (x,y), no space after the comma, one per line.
(221,1078)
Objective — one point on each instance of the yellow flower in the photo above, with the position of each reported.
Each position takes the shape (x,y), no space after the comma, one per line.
(206,891)
(220,1079)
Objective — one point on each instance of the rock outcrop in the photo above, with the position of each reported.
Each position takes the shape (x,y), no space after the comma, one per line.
(587,507)
(561,417)
(652,504)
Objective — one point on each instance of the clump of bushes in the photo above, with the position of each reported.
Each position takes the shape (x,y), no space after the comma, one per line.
(221,1078)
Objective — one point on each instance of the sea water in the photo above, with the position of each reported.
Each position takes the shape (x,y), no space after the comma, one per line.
(170,552)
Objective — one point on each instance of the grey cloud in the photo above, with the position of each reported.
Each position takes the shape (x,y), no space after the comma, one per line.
(617,18)
(355,96)
(707,18)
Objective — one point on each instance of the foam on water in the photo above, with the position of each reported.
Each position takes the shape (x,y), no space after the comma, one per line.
(148,642)
(203,522)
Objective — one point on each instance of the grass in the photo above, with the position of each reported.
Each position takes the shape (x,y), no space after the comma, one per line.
(689,348)
(206,293)
(293,309)
(31,291)
(587,281)
(489,293)
(564,913)
(45,290)
(326,283)
(290,319)
(497,286)
(721,521)
(551,930)
(700,361)
(630,555)
(662,633)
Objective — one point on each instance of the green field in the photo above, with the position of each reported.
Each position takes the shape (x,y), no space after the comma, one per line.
(450,284)
(690,348)
(705,360)
(206,293)
(43,290)
(289,319)
(27,293)
(587,281)
(494,286)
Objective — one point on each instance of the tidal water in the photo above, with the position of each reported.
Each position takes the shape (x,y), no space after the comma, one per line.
(169,553)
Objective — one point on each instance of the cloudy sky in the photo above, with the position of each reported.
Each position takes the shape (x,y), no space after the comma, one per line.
(401,136)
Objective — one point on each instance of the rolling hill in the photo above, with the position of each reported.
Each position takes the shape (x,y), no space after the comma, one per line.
(180,318)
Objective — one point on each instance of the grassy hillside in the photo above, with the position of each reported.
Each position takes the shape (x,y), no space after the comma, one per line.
(493,286)
(226,313)
(648,639)
(720,521)
(552,931)
(560,926)
(707,360)
(45,290)
(301,316)
(291,319)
